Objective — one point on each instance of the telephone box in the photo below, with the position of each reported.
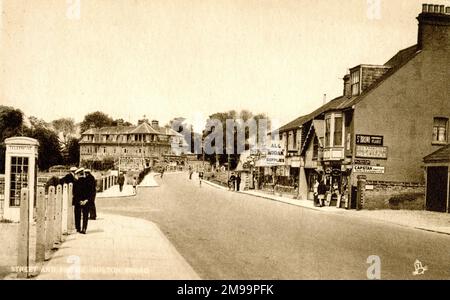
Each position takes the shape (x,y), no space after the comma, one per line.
(20,172)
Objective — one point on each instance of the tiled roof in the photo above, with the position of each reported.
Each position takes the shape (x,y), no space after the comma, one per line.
(143,128)
(342,102)
(441,155)
(395,63)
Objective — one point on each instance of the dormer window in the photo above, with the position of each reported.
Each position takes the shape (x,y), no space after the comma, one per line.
(355,82)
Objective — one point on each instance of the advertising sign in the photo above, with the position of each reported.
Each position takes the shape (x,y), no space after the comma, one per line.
(371,152)
(369,140)
(368,169)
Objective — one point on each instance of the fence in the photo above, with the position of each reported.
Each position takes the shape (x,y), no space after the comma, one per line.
(105,182)
(54,218)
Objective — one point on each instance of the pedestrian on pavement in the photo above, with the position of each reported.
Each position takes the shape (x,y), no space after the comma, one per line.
(232,182)
(238,182)
(200,178)
(135,185)
(121,181)
(321,189)
(190,172)
(316,192)
(81,201)
(92,188)
(162,172)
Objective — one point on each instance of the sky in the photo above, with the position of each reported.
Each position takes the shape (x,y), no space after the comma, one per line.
(191,58)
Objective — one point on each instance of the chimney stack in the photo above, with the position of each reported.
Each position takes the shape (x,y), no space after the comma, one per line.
(324,99)
(347,86)
(155,123)
(434,26)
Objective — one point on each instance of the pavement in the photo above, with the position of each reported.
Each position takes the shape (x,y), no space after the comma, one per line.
(117,247)
(128,191)
(422,220)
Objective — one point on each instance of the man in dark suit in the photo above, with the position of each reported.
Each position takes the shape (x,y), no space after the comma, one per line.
(92,187)
(81,201)
(70,177)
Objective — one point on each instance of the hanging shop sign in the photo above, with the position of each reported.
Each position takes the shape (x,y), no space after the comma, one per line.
(371,152)
(368,169)
(369,140)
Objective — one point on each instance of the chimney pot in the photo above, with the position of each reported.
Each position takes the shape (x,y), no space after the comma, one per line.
(430,8)
(424,8)
(447,10)
(436,9)
(442,9)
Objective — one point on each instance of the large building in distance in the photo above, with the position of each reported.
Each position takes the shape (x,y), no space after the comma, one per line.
(130,147)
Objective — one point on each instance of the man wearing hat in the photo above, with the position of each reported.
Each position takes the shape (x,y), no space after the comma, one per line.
(81,200)
(92,187)
(70,177)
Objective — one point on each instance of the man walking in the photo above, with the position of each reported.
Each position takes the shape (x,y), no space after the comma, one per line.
(92,188)
(121,181)
(238,182)
(81,201)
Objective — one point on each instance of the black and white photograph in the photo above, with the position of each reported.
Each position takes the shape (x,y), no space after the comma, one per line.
(224,140)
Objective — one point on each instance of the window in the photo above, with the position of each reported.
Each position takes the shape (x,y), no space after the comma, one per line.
(355,83)
(315,149)
(19,179)
(440,130)
(327,132)
(294,139)
(338,131)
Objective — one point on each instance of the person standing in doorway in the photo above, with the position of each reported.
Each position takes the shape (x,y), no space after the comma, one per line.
(316,192)
(121,181)
(81,201)
(92,188)
(322,190)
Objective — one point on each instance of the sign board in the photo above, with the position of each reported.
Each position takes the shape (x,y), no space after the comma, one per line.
(371,152)
(368,169)
(362,162)
(369,140)
(275,156)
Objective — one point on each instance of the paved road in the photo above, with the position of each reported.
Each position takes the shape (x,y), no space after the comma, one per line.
(226,235)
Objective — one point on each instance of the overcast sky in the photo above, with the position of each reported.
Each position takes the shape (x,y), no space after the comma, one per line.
(170,58)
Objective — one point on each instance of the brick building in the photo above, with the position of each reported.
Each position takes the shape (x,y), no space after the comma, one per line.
(389,117)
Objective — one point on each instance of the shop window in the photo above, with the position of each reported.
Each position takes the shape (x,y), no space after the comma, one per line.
(440,128)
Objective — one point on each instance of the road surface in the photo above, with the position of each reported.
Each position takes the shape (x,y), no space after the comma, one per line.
(227,235)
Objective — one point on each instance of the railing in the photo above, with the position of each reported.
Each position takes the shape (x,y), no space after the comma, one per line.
(105,182)
(54,218)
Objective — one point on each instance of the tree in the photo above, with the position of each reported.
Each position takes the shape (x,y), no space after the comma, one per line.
(11,124)
(49,153)
(73,152)
(97,119)
(222,117)
(65,128)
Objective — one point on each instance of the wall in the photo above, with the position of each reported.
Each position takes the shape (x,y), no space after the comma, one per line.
(402,109)
(395,196)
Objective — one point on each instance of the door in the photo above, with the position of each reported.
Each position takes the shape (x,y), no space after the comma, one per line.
(437,179)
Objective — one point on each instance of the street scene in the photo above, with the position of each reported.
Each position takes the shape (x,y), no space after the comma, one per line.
(225,140)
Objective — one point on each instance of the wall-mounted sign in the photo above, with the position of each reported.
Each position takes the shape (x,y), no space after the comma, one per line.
(368,169)
(365,162)
(369,140)
(371,152)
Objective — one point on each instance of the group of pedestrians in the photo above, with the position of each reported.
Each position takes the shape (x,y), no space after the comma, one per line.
(84,192)
(234,182)
(320,190)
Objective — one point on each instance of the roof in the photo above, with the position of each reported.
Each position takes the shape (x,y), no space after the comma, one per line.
(331,105)
(441,155)
(395,63)
(317,129)
(343,102)
(143,128)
